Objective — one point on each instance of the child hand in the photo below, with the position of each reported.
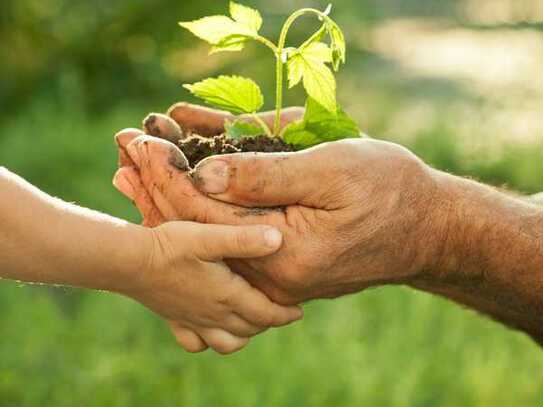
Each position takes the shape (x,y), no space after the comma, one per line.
(184,280)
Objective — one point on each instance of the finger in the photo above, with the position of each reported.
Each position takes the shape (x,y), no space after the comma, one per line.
(128,182)
(288,115)
(162,126)
(222,341)
(123,138)
(253,306)
(176,198)
(266,179)
(164,175)
(187,338)
(208,122)
(219,242)
(241,327)
(199,119)
(158,161)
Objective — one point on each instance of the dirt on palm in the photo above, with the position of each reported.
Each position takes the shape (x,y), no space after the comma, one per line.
(196,148)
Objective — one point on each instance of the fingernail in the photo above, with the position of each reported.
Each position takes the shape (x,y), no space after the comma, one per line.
(212,177)
(124,186)
(273,238)
(178,160)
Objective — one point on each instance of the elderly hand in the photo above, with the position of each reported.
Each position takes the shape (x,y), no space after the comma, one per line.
(354,213)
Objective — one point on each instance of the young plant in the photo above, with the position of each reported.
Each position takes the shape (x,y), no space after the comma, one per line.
(308,63)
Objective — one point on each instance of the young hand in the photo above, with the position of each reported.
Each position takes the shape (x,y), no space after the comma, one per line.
(220,309)
(185,281)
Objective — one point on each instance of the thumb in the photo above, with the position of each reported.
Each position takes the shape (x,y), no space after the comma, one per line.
(264,180)
(218,242)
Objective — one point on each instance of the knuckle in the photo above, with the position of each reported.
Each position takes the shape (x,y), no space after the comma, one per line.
(282,296)
(264,319)
(202,214)
(200,243)
(292,280)
(228,291)
(296,276)
(255,175)
(246,184)
(255,330)
(344,148)
(224,300)
(241,240)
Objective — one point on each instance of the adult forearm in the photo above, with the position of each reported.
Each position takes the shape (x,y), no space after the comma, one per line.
(492,256)
(46,240)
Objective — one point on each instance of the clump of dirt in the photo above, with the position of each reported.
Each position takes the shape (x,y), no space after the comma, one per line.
(196,148)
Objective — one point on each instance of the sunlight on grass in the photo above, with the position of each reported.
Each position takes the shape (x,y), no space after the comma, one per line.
(492,61)
(503,11)
(499,70)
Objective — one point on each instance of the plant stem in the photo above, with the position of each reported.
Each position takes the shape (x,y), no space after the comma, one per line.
(278,95)
(267,43)
(261,123)
(280,63)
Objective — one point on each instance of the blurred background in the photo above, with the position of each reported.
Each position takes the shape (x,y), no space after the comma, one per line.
(458,82)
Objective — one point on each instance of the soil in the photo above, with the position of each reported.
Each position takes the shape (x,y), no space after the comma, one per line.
(196,148)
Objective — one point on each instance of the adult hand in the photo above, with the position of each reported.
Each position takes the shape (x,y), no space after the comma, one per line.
(362,213)
(355,213)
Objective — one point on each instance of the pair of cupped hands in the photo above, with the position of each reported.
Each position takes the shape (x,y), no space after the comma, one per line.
(262,233)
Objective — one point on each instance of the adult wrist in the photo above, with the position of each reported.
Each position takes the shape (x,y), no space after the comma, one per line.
(480,228)
(455,225)
(433,206)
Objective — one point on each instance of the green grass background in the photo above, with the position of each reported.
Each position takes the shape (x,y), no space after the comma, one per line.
(72,85)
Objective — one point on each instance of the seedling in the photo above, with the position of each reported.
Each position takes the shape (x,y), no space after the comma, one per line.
(311,63)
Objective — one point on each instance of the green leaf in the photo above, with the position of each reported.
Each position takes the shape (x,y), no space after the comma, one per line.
(319,82)
(295,68)
(246,16)
(229,44)
(320,126)
(337,41)
(225,33)
(317,52)
(222,32)
(327,125)
(298,136)
(242,129)
(232,93)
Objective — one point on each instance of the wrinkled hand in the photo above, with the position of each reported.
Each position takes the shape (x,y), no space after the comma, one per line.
(355,213)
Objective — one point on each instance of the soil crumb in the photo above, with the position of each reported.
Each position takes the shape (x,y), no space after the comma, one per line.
(196,148)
